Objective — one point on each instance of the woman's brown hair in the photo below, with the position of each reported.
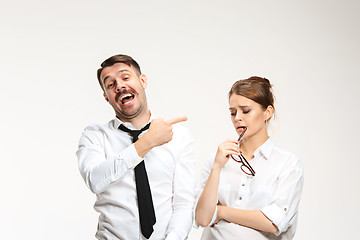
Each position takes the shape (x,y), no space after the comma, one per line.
(255,88)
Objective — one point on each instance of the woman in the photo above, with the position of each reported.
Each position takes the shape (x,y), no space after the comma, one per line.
(251,188)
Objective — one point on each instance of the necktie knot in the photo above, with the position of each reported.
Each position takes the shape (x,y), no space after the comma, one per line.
(134,133)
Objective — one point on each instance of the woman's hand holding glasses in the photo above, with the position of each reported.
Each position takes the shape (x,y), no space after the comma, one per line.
(232,148)
(224,151)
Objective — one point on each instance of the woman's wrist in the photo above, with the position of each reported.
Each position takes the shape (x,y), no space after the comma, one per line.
(216,167)
(219,212)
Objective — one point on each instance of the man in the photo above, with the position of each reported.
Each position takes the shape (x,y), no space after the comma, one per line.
(144,179)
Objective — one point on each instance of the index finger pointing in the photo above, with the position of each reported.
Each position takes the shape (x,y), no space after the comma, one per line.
(176,120)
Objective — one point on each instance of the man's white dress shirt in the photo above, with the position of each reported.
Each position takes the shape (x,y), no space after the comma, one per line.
(107,158)
(275,190)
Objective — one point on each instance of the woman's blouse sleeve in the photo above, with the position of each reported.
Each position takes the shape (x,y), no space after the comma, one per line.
(284,206)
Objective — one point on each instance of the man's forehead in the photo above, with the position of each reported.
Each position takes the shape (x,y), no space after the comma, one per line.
(114,70)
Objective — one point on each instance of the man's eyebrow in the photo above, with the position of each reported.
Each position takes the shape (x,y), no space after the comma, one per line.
(121,71)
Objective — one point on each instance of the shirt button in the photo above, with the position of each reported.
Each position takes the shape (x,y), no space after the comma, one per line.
(243,184)
(285,209)
(240,198)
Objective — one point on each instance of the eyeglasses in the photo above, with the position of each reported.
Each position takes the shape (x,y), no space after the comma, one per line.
(245,166)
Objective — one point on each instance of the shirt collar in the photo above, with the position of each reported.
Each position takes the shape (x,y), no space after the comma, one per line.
(265,149)
(118,122)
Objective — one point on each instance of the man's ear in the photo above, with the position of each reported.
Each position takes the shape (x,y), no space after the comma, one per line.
(143,80)
(106,97)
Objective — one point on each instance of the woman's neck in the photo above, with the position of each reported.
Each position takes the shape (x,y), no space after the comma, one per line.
(249,145)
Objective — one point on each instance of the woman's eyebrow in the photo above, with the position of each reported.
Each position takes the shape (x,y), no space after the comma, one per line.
(240,106)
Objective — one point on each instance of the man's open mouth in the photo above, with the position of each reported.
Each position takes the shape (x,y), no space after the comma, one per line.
(126,98)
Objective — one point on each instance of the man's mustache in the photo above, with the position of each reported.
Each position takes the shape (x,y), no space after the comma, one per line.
(123,92)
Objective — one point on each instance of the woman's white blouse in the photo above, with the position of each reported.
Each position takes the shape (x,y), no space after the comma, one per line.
(275,190)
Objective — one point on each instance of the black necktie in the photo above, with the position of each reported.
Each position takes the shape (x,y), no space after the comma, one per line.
(145,203)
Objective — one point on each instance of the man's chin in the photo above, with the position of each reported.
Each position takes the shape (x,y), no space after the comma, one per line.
(128,114)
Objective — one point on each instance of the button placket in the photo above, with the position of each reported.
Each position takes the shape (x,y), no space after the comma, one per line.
(241,192)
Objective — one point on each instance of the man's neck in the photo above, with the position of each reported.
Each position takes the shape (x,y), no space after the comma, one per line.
(139,121)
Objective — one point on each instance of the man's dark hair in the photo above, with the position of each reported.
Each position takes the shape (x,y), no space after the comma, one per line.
(120,58)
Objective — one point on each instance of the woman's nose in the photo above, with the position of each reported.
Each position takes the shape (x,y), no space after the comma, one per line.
(238,116)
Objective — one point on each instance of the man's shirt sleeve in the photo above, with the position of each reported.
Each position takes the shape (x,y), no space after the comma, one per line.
(184,189)
(97,168)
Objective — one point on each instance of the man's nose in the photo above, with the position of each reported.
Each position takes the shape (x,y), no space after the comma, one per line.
(119,85)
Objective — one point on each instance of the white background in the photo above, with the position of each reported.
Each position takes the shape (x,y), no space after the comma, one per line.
(192,52)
